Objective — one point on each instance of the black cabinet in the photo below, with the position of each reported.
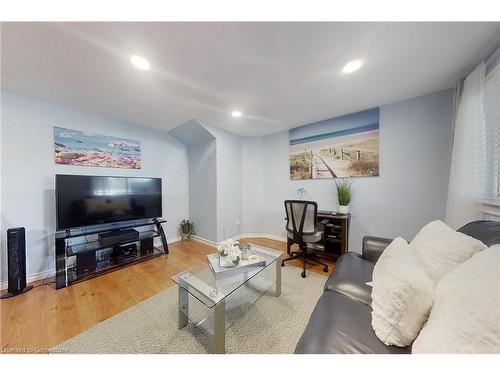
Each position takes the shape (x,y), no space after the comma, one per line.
(335,240)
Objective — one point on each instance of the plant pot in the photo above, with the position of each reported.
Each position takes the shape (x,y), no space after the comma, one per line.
(343,209)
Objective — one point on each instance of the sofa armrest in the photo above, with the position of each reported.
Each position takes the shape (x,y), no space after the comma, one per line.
(373,247)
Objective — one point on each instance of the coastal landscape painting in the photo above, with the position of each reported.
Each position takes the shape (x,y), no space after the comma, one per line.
(74,147)
(346,146)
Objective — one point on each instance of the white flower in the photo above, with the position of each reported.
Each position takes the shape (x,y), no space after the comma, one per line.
(226,247)
(230,250)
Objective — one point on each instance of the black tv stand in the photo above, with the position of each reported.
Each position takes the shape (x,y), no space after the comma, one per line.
(70,244)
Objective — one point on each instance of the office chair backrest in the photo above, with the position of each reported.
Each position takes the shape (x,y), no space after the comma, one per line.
(301,218)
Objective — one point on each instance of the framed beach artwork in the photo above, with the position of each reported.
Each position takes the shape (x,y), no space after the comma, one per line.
(74,147)
(346,146)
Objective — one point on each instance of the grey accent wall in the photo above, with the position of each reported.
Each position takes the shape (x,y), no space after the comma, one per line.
(28,169)
(203,189)
(203,177)
(415,154)
(252,184)
(215,194)
(228,183)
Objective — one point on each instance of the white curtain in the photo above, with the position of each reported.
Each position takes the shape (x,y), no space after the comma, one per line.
(468,165)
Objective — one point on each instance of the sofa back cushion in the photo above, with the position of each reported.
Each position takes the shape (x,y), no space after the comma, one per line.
(440,249)
(402,295)
(486,231)
(465,317)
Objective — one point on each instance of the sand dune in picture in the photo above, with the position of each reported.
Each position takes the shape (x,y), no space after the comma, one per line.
(343,168)
(366,143)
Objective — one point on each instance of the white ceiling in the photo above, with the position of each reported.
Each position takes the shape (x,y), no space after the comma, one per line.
(280,75)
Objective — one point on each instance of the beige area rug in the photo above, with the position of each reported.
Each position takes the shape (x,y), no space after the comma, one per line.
(271,325)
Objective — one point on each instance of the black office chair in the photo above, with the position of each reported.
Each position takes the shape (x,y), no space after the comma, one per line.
(302,228)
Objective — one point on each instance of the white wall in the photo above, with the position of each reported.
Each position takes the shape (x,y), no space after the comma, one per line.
(415,152)
(252,174)
(28,169)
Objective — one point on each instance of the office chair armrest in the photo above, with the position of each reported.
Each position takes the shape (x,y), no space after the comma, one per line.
(373,247)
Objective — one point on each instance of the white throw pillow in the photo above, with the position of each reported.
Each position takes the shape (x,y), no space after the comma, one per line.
(465,317)
(402,295)
(440,249)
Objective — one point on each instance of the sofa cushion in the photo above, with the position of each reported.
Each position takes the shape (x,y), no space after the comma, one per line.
(402,295)
(349,277)
(373,247)
(465,317)
(339,325)
(440,249)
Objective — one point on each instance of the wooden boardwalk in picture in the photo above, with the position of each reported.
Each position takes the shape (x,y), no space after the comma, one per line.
(333,162)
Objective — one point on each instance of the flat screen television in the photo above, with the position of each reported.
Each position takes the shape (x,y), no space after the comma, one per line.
(83,201)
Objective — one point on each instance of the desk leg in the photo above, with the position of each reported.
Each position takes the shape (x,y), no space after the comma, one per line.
(183,303)
(220,328)
(278,276)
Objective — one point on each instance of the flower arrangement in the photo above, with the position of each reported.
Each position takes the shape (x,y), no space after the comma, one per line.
(230,253)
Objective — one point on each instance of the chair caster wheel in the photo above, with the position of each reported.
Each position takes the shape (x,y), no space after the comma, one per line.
(325,269)
(303,274)
(282,264)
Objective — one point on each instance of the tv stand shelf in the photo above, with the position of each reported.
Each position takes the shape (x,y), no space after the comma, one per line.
(71,245)
(89,246)
(74,277)
(81,232)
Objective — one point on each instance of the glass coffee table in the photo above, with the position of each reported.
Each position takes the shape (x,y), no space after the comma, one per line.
(214,303)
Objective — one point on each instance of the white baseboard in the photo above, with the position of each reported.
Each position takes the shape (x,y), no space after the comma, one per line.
(205,241)
(260,235)
(240,236)
(173,239)
(31,278)
(42,275)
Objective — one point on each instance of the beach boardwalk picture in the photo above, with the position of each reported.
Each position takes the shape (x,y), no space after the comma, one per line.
(75,147)
(345,146)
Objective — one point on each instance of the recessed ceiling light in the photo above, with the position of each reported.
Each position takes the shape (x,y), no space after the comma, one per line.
(140,62)
(236,114)
(352,66)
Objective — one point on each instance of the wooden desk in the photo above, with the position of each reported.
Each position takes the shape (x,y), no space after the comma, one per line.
(335,235)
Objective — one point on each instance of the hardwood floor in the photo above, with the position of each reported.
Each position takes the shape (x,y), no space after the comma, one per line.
(42,318)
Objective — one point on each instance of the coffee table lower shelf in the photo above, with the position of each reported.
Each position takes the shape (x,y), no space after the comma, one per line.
(220,311)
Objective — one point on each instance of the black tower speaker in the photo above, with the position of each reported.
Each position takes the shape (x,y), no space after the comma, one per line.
(147,246)
(16,262)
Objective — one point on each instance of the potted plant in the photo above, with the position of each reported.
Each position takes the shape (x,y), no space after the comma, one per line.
(187,229)
(301,192)
(344,194)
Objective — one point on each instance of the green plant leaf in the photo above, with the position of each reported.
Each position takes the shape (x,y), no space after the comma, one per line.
(344,193)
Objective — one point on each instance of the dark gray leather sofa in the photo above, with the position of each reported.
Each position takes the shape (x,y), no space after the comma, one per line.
(341,320)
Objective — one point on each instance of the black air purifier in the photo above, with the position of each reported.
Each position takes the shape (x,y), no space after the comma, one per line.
(16,262)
